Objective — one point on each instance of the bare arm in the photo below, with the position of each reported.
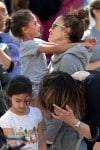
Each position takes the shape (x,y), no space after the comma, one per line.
(93,65)
(53,48)
(42,142)
(5,59)
(47,47)
(8,132)
(69,117)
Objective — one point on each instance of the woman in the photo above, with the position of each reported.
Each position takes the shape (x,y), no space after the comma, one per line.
(66,29)
(59,88)
(91,128)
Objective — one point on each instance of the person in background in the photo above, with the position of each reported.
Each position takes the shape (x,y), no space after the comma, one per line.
(5,59)
(21,119)
(94,8)
(12,46)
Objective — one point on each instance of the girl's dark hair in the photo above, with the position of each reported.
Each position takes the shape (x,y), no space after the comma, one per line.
(18,85)
(20,19)
(78,22)
(61,89)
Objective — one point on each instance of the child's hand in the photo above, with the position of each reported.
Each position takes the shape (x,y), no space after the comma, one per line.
(91,40)
(88,45)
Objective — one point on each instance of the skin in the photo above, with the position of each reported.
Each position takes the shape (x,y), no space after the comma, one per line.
(3,10)
(60,33)
(68,117)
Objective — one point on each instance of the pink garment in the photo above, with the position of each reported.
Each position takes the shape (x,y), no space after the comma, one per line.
(66,6)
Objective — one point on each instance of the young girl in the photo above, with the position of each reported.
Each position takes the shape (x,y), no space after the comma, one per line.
(24,25)
(21,120)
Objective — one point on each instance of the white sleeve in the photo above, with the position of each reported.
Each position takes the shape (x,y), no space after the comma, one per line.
(39,114)
(5,122)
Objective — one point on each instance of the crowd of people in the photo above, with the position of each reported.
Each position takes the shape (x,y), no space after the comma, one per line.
(49,105)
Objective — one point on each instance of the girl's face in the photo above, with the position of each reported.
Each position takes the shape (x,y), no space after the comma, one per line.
(32,29)
(20,103)
(57,33)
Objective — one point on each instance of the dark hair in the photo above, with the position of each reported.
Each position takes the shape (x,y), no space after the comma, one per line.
(78,22)
(94,4)
(18,85)
(20,19)
(20,4)
(61,89)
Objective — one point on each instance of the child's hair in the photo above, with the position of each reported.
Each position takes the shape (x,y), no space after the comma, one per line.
(18,85)
(61,89)
(20,19)
(78,22)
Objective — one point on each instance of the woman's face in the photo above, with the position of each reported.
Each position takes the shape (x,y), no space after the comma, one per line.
(3,10)
(57,31)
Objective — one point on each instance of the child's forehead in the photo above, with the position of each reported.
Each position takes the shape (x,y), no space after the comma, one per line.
(33,17)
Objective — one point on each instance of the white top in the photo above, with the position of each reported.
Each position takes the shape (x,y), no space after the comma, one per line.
(26,125)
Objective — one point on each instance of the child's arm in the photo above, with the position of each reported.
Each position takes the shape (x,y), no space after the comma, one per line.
(53,48)
(56,48)
(42,143)
(8,132)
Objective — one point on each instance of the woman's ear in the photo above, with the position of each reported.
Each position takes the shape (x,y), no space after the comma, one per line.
(66,32)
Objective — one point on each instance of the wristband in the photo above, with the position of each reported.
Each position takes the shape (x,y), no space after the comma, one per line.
(77,125)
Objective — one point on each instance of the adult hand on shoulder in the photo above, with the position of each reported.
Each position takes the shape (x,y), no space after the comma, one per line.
(64,115)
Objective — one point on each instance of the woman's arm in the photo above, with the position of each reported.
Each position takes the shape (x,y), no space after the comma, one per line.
(42,142)
(5,59)
(69,117)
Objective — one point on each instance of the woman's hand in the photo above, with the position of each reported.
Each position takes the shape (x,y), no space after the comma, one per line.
(65,115)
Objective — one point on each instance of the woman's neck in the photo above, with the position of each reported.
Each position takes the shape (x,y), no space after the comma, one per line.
(62,41)
(97,25)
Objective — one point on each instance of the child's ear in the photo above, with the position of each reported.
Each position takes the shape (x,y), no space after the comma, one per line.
(24,29)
